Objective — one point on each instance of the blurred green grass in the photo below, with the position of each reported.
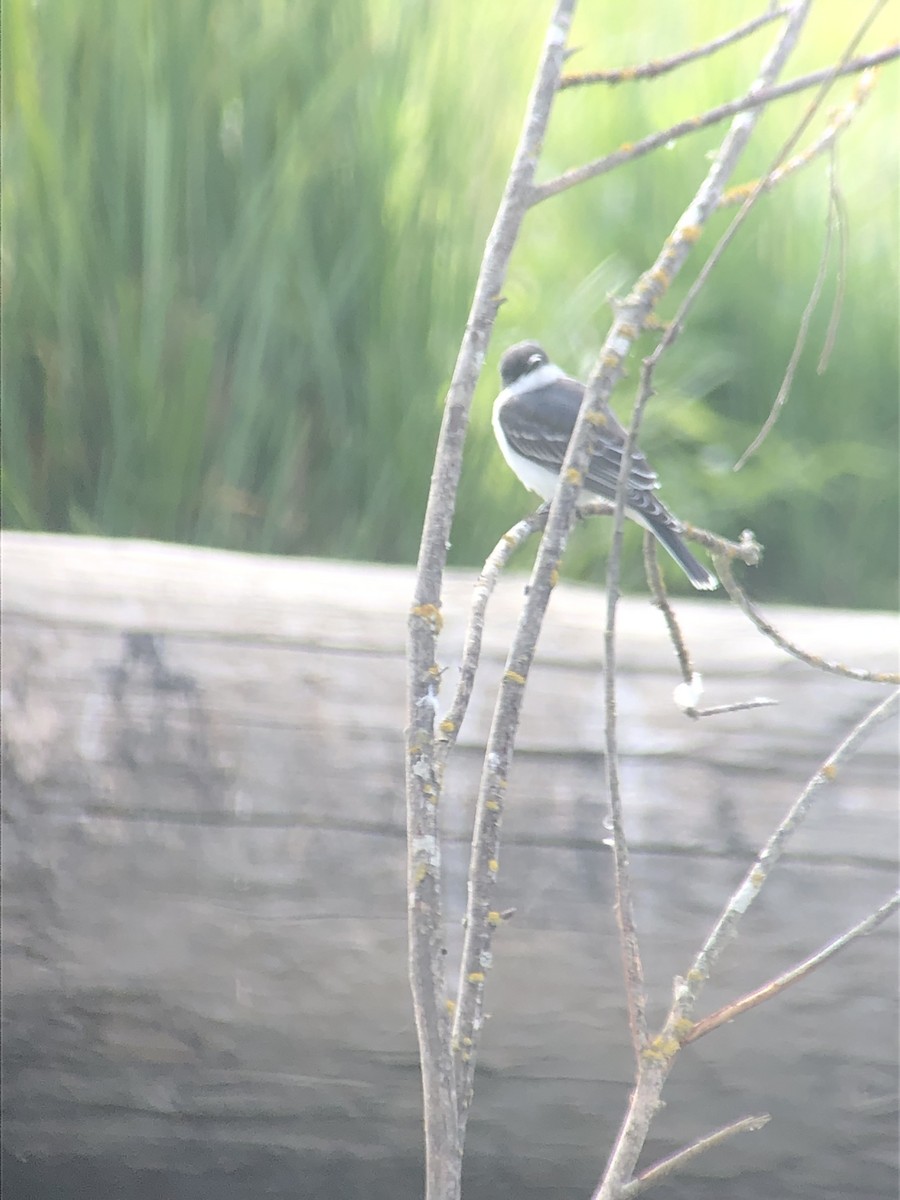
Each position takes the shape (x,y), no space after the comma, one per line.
(239,244)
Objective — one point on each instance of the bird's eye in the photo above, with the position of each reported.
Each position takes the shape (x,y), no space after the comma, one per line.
(535,360)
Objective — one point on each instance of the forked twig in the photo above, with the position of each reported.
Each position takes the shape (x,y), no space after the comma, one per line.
(827,140)
(754,100)
(439,1063)
(729,1011)
(753,882)
(662,1050)
(681,1158)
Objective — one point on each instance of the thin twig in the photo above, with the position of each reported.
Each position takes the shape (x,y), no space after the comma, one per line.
(740,597)
(729,1011)
(784,391)
(661,601)
(632,967)
(692,681)
(832,222)
(681,1158)
(842,226)
(754,100)
(662,66)
(716,710)
(484,587)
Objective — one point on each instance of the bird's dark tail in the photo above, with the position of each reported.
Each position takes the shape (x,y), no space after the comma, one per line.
(668,537)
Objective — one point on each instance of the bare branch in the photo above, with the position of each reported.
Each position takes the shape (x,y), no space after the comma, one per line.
(682,1157)
(661,1051)
(740,597)
(729,1011)
(662,66)
(826,140)
(689,988)
(755,100)
(631,316)
(443,1138)
(657,1056)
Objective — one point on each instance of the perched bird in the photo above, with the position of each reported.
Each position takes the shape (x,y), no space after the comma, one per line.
(533,419)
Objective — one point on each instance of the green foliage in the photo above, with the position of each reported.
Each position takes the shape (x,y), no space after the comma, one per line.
(239,244)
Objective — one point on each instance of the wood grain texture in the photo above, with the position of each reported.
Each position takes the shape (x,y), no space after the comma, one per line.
(203,857)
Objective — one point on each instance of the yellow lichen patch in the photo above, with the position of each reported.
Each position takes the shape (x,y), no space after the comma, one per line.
(628,331)
(682,1028)
(596,418)
(573,476)
(430,613)
(421,872)
(447,726)
(661,277)
(690,233)
(434,671)
(514,677)
(660,1049)
(476,977)
(494,918)
(626,147)
(655,322)
(611,359)
(492,805)
(493,865)
(741,192)
(757,878)
(554,577)
(694,976)
(451,1005)
(829,772)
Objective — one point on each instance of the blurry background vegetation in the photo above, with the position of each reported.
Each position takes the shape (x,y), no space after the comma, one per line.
(239,242)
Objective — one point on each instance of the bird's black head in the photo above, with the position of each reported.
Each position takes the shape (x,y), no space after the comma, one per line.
(521,360)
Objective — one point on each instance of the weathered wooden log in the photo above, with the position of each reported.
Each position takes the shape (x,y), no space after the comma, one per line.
(204,972)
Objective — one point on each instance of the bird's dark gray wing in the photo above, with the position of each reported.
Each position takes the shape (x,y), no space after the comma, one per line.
(538,424)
